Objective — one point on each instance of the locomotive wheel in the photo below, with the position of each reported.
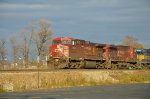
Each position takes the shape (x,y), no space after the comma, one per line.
(100,66)
(114,66)
(144,66)
(56,65)
(132,66)
(80,65)
(76,65)
(107,65)
(60,65)
(97,66)
(72,65)
(123,65)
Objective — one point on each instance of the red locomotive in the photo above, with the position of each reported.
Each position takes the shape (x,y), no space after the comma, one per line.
(76,53)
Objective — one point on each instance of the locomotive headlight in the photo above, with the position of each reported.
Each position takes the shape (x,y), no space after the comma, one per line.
(60,47)
(56,60)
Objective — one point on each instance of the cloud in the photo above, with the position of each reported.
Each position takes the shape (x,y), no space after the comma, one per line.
(8,6)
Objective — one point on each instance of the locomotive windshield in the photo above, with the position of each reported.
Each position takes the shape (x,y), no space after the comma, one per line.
(62,42)
(66,42)
(57,42)
(143,52)
(139,51)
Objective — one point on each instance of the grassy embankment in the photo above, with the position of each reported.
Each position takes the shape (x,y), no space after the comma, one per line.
(29,80)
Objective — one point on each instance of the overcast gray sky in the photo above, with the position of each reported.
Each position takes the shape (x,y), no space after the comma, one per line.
(103,21)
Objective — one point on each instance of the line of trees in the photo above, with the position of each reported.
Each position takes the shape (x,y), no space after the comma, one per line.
(28,43)
(131,41)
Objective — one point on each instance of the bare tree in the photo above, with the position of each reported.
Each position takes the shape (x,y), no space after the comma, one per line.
(15,48)
(131,41)
(26,39)
(42,35)
(2,52)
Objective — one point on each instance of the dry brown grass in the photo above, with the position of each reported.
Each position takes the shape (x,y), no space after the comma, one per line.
(29,80)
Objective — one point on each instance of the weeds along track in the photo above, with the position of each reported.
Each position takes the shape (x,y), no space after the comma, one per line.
(15,80)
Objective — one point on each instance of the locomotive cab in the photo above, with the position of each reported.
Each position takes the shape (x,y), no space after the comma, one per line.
(59,47)
(59,52)
(143,54)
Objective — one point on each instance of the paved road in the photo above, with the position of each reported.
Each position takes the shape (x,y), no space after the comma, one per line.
(127,91)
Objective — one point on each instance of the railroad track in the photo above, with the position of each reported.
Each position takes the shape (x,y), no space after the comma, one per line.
(56,70)
(27,70)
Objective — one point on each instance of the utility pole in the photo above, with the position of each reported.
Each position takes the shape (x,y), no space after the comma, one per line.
(46,61)
(38,73)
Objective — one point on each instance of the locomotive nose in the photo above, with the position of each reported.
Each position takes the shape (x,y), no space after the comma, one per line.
(54,51)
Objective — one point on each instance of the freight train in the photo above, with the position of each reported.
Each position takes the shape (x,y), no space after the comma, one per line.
(76,54)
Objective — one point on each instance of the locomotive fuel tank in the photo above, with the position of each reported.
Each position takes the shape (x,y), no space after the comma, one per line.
(90,64)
